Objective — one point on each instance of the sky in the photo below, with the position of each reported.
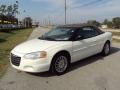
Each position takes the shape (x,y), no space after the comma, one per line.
(78,11)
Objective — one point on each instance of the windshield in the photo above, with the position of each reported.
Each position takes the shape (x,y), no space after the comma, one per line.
(58,34)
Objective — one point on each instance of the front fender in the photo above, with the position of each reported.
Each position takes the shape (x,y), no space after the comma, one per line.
(55,49)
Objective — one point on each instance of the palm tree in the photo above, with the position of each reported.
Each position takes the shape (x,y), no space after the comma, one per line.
(9,10)
(15,8)
(8,13)
(3,9)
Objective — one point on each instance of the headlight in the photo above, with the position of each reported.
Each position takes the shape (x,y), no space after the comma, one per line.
(36,55)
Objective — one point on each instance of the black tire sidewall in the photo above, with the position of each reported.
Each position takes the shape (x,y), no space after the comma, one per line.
(103,52)
(53,70)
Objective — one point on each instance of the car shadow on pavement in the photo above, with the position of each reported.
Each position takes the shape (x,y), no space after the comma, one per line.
(42,74)
(80,63)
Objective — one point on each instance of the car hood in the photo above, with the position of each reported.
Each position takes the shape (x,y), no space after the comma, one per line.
(35,45)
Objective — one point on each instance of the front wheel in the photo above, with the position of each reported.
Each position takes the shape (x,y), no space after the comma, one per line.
(106,49)
(60,64)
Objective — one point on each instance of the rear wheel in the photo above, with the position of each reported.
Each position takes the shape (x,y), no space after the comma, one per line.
(106,49)
(60,64)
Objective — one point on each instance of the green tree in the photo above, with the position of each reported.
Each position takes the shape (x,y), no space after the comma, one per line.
(2,18)
(93,22)
(105,22)
(116,22)
(108,23)
(3,9)
(8,13)
(9,10)
(15,8)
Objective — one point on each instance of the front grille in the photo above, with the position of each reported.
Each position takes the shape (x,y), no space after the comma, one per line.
(15,60)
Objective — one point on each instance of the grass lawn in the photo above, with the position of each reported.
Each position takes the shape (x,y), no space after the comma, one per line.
(7,42)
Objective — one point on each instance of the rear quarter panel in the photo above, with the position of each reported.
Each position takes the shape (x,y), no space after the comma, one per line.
(107,36)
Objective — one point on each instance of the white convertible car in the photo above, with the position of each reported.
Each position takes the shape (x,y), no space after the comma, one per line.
(55,50)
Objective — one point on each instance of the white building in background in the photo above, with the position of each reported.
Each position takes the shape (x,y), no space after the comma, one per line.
(104,26)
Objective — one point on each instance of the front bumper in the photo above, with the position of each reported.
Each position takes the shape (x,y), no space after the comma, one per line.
(33,66)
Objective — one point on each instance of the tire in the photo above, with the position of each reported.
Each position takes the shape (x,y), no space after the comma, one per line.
(106,49)
(60,64)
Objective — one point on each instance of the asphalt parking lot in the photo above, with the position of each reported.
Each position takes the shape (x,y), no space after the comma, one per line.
(94,73)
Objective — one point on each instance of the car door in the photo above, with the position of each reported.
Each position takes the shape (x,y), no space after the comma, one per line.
(92,37)
(87,45)
(79,46)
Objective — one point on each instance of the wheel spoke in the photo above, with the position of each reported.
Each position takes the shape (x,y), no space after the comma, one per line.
(107,49)
(61,64)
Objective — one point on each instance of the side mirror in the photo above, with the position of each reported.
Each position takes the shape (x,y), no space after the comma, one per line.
(78,37)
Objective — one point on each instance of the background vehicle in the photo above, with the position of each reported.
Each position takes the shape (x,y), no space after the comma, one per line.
(59,47)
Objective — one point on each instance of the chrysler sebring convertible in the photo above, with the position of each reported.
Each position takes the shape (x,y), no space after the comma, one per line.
(57,49)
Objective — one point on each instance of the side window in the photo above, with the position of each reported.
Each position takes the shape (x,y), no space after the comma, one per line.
(88,32)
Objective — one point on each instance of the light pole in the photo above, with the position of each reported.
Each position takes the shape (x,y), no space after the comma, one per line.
(65,11)
(17,4)
(25,19)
